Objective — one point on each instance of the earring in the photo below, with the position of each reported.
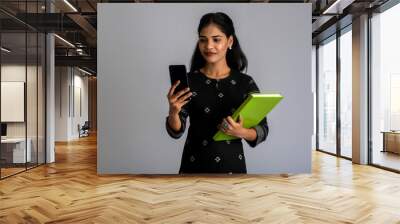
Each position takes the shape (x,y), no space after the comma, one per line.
(230,47)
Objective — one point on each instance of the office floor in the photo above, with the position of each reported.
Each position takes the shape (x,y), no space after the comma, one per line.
(70,191)
(387,159)
(10,170)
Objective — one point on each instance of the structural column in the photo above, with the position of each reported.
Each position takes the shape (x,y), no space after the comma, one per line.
(360,90)
(50,92)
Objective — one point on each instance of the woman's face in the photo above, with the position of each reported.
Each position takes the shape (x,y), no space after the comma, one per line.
(213,43)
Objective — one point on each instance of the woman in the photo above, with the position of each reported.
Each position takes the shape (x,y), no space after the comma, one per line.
(217,88)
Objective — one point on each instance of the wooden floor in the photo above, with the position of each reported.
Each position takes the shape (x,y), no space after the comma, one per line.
(387,159)
(69,191)
(5,172)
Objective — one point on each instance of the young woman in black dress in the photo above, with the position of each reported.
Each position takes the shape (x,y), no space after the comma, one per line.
(217,88)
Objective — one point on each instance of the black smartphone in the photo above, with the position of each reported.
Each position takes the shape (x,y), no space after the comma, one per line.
(178,72)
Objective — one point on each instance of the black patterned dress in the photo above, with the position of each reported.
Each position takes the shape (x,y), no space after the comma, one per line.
(211,101)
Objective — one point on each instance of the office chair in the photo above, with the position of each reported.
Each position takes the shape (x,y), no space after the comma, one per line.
(84,130)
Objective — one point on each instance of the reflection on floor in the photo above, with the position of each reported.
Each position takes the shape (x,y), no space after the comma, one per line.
(386,159)
(10,169)
(346,152)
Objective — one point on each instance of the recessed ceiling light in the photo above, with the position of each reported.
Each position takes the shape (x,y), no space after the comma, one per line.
(84,71)
(5,50)
(64,40)
(328,10)
(70,5)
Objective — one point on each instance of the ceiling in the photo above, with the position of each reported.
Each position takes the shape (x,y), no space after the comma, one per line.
(77,23)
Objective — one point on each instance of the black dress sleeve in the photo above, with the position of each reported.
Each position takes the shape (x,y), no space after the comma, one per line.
(262,128)
(182,116)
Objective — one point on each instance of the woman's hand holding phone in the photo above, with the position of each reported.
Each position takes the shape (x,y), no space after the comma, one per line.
(177,100)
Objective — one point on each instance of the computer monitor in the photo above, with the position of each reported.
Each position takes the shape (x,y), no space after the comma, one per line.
(3,129)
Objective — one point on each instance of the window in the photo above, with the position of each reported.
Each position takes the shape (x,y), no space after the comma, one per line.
(327,96)
(346,93)
(385,88)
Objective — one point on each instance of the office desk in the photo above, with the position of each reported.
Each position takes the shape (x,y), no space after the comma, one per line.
(13,150)
(391,141)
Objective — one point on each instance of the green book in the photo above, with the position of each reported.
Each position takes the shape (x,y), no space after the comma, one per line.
(253,110)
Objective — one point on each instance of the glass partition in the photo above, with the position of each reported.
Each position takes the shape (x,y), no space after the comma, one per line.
(41,87)
(32,95)
(22,77)
(346,93)
(14,153)
(327,95)
(385,89)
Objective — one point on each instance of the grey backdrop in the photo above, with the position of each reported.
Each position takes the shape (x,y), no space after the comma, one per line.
(137,42)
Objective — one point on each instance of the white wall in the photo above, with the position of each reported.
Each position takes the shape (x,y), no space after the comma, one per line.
(33,126)
(68,82)
(137,42)
(16,72)
(12,73)
(79,117)
(62,80)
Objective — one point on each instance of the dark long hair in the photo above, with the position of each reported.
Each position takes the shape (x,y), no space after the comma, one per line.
(235,57)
